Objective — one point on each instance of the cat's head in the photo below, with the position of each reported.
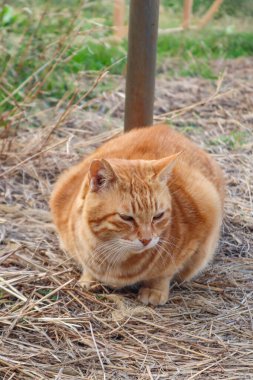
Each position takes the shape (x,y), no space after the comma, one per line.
(127,203)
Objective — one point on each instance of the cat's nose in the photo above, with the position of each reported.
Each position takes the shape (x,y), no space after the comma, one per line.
(145,241)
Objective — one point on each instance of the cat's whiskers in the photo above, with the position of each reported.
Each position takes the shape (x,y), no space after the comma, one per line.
(169,242)
(158,251)
(114,261)
(116,258)
(112,265)
(168,253)
(100,254)
(108,249)
(107,253)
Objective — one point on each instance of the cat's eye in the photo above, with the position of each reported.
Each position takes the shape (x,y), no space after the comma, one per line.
(126,218)
(158,216)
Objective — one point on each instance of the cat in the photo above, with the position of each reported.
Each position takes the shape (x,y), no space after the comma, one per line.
(144,208)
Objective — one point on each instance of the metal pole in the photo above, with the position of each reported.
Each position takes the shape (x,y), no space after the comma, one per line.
(141,63)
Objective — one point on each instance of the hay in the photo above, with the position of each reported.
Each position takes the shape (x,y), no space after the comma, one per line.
(53,329)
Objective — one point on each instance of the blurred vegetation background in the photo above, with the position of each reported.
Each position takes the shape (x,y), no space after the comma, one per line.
(47,47)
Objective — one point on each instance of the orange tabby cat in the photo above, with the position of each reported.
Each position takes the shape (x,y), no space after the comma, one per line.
(144,207)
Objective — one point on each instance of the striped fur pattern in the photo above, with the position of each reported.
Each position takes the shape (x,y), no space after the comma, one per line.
(143,208)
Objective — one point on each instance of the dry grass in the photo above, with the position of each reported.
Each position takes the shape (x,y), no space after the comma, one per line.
(53,329)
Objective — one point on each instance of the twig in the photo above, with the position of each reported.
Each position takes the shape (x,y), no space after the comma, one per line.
(181,111)
(97,350)
(32,157)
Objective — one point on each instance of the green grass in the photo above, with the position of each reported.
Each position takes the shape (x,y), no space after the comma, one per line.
(228,7)
(55,43)
(58,42)
(97,57)
(196,50)
(233,140)
(206,44)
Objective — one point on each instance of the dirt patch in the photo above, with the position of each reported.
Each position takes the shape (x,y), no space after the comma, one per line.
(53,329)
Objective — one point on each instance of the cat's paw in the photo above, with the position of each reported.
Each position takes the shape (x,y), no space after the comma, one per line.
(153,296)
(89,283)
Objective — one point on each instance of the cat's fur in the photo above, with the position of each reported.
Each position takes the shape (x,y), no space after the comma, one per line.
(141,174)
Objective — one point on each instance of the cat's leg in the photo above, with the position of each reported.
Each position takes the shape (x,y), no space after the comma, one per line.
(155,291)
(201,257)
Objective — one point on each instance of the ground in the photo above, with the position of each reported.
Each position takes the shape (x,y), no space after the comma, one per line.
(53,329)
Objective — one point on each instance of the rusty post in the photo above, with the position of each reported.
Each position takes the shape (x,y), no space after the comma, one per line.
(118,18)
(187,13)
(210,13)
(141,63)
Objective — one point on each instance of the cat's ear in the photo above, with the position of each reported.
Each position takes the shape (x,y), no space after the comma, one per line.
(164,167)
(101,175)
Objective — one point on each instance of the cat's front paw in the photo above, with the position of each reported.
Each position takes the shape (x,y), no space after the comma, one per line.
(89,283)
(153,296)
